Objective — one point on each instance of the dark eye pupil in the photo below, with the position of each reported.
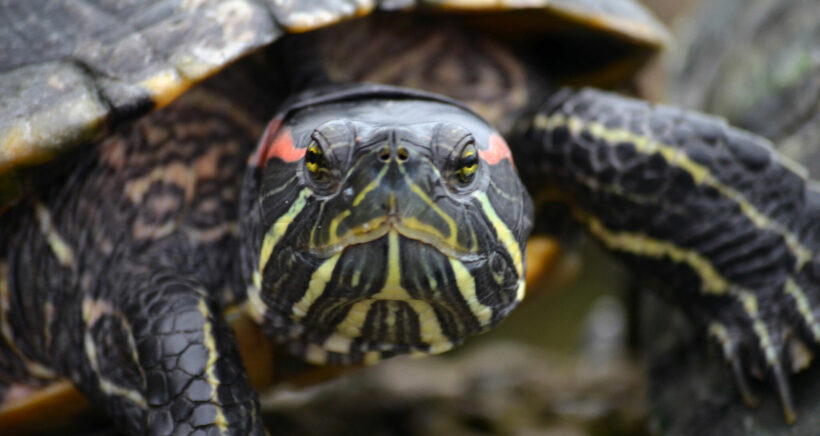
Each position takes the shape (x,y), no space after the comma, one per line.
(468,161)
(313,157)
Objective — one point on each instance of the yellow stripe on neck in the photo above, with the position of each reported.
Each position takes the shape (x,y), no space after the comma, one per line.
(280,227)
(678,158)
(507,239)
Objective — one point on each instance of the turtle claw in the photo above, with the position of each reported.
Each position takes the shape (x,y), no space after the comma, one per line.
(720,333)
(749,398)
(728,345)
(785,392)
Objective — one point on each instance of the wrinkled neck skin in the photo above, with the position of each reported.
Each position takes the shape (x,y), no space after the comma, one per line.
(386,247)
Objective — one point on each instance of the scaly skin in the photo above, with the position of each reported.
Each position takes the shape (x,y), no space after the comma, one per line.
(115,276)
(710,216)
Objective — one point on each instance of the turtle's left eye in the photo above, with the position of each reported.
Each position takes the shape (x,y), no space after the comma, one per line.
(467,164)
(316,163)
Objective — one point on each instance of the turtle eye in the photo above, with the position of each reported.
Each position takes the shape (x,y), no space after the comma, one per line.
(316,163)
(467,164)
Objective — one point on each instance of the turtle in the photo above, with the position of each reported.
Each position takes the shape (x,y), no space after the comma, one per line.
(359,220)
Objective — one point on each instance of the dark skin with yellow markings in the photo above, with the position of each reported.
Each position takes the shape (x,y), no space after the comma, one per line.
(383,171)
(710,216)
(145,293)
(149,343)
(362,226)
(733,212)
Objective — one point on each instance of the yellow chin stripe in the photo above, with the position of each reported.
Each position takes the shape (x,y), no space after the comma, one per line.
(254,306)
(466,286)
(278,229)
(318,282)
(507,239)
(430,329)
(351,326)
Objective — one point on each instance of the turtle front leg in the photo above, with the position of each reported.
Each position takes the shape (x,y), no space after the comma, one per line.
(713,217)
(161,360)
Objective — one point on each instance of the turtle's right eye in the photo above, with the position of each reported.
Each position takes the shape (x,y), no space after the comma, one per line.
(467,164)
(316,163)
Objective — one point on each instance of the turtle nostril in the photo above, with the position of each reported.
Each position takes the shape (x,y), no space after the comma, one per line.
(402,154)
(385,154)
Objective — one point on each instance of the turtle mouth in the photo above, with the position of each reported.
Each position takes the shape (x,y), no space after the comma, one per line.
(407,227)
(392,295)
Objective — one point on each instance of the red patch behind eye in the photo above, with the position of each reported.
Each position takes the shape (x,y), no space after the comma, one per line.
(283,148)
(498,150)
(277,142)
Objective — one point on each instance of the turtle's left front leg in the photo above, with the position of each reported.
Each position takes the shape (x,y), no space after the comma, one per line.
(712,216)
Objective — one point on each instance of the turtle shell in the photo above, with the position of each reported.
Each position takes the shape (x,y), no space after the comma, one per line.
(69,71)
(756,63)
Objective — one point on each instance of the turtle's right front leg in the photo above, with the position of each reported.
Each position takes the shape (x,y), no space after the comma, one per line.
(160,359)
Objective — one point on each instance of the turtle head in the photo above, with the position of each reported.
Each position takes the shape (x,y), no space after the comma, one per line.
(382,221)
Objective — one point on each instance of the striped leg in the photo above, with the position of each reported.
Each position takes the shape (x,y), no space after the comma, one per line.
(161,360)
(710,215)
